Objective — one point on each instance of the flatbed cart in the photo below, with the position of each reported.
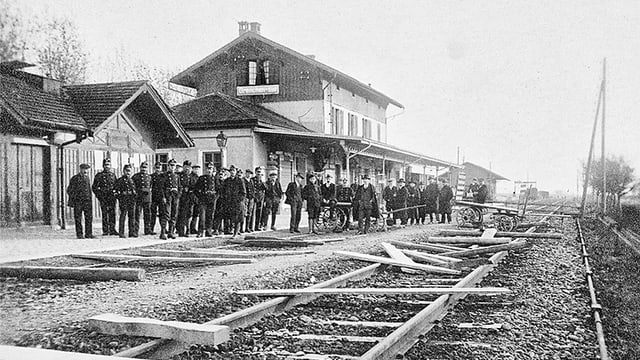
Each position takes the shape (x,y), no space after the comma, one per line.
(474,214)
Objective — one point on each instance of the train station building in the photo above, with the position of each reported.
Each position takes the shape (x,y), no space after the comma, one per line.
(282,109)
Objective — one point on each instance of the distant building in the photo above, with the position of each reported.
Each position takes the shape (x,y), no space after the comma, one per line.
(284,109)
(47,130)
(461,178)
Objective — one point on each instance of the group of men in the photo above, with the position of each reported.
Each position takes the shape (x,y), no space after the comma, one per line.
(411,204)
(357,200)
(478,192)
(185,202)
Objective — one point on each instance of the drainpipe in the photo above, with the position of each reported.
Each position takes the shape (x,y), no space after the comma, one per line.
(61,187)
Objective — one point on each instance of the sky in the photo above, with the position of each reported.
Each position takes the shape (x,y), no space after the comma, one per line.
(513,84)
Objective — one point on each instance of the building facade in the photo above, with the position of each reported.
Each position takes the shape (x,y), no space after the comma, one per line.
(286,110)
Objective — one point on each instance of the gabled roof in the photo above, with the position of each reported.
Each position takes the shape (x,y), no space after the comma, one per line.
(98,102)
(219,110)
(33,107)
(183,77)
(491,174)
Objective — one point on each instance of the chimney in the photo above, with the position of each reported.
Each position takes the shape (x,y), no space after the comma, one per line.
(255,27)
(52,86)
(243,27)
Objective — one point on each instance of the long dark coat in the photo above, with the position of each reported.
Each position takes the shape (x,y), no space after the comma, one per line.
(234,195)
(446,194)
(79,190)
(430,199)
(367,201)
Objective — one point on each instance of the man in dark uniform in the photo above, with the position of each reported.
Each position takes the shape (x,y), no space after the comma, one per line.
(206,192)
(444,198)
(142,180)
(272,196)
(157,196)
(250,202)
(171,189)
(431,200)
(195,213)
(79,191)
(328,190)
(483,192)
(367,204)
(294,198)
(186,202)
(401,202)
(103,188)
(389,196)
(422,211)
(125,191)
(259,188)
(472,191)
(344,195)
(413,199)
(235,195)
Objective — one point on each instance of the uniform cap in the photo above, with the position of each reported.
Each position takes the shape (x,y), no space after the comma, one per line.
(366,177)
(196,166)
(248,171)
(128,166)
(401,180)
(85,166)
(475,179)
(186,163)
(158,164)
(172,162)
(273,174)
(106,161)
(232,167)
(144,164)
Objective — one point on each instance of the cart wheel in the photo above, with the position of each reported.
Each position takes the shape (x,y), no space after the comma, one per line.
(340,217)
(466,216)
(326,221)
(505,223)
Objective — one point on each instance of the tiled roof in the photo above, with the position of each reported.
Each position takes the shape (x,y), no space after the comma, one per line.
(219,109)
(96,102)
(36,107)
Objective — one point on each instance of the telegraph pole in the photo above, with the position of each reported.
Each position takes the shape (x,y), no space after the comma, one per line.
(590,157)
(604,162)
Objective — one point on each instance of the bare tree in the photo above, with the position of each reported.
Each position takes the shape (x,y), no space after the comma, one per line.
(619,176)
(61,54)
(13,33)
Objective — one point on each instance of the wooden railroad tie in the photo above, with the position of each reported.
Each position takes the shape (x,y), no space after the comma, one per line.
(272,243)
(111,257)
(20,352)
(189,333)
(512,234)
(389,261)
(73,273)
(398,255)
(231,253)
(430,247)
(469,240)
(377,291)
(194,254)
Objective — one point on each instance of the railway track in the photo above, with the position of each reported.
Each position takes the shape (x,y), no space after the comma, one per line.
(380,327)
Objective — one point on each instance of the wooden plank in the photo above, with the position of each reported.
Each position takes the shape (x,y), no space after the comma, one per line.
(430,258)
(189,333)
(349,338)
(396,254)
(254,253)
(111,257)
(74,273)
(518,244)
(512,234)
(431,247)
(488,233)
(19,352)
(272,237)
(469,240)
(190,254)
(388,261)
(376,291)
(281,243)
(366,324)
